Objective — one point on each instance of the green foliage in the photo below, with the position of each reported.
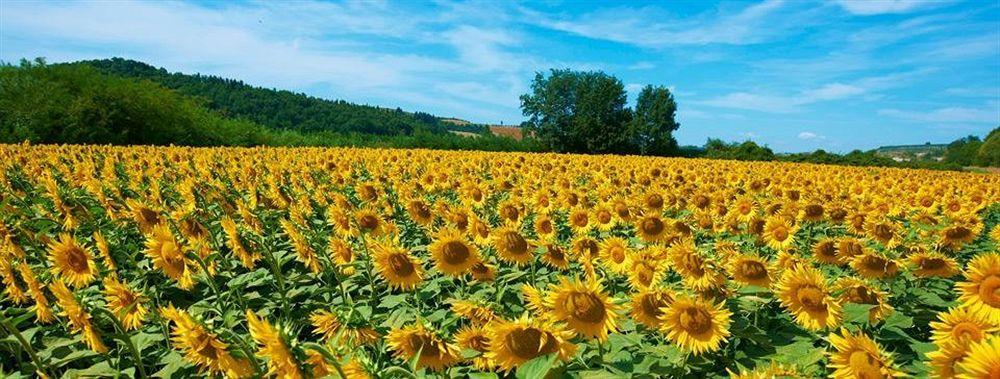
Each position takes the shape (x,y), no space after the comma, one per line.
(963,151)
(989,151)
(653,122)
(277,109)
(745,151)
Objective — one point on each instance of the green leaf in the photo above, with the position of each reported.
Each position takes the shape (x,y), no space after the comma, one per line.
(392,301)
(536,368)
(482,375)
(856,313)
(899,320)
(173,362)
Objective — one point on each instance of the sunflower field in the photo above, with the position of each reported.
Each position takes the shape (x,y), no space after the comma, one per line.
(364,263)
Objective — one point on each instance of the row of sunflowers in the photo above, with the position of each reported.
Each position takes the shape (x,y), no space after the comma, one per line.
(368,263)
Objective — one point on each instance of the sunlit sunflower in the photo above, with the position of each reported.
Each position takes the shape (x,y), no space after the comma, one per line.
(696,325)
(848,248)
(873,265)
(954,236)
(78,317)
(235,243)
(603,217)
(168,256)
(883,230)
(420,212)
(645,268)
(368,221)
(613,254)
(72,262)
(512,343)
(271,343)
(511,246)
(395,265)
(651,228)
(778,233)
(43,311)
(483,272)
(127,304)
(961,326)
(812,212)
(435,353)
(584,307)
(544,225)
(102,247)
(945,359)
(579,220)
(203,348)
(857,291)
(555,256)
(510,211)
(981,289)
(300,244)
(452,254)
(475,338)
(803,291)
(328,325)
(771,371)
(749,269)
(342,254)
(858,356)
(825,251)
(477,313)
(982,361)
(144,215)
(648,304)
(933,264)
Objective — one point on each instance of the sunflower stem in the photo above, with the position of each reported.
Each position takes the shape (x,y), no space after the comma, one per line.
(39,368)
(123,335)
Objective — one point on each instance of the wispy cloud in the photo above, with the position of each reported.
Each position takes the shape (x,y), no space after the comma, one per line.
(875,7)
(947,115)
(810,136)
(781,103)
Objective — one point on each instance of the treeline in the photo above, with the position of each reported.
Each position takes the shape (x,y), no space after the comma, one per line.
(972,151)
(276,109)
(77,104)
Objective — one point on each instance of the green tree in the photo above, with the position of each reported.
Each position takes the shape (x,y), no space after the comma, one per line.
(653,122)
(579,112)
(963,151)
(989,151)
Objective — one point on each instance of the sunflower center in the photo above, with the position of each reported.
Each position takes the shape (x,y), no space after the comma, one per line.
(753,270)
(864,365)
(814,210)
(811,298)
(644,275)
(479,343)
(515,244)
(957,233)
(883,232)
(545,226)
(480,268)
(425,344)
(421,210)
(509,212)
(654,201)
(862,295)
(826,249)
(651,304)
(206,349)
(530,343)
(695,320)
(368,222)
(604,217)
(76,259)
(149,216)
(556,253)
(455,252)
(586,307)
(580,219)
(932,263)
(617,254)
(967,331)
(400,265)
(652,226)
(780,233)
(622,210)
(989,291)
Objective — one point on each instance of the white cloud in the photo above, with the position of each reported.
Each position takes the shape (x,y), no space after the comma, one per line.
(650,27)
(875,7)
(784,103)
(811,136)
(642,65)
(947,115)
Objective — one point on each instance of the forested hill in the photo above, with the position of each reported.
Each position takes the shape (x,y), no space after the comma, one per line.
(276,109)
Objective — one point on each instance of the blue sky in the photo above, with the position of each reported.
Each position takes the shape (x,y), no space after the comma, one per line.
(796,75)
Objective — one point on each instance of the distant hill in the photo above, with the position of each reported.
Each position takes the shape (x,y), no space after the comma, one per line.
(277,109)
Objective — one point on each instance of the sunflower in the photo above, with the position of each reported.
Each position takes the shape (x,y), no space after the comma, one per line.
(955,236)
(328,325)
(697,272)
(435,353)
(857,291)
(812,212)
(579,221)
(300,244)
(72,262)
(144,216)
(475,338)
(778,233)
(236,245)
(512,343)
(584,307)
(511,246)
(168,256)
(544,225)
(420,212)
(945,359)
(696,325)
(751,270)
(510,211)
(651,228)
(483,272)
(645,269)
(368,221)
(825,251)
(961,326)
(982,361)
(981,289)
(43,312)
(555,256)
(858,356)
(771,371)
(803,291)
(933,264)
(125,303)
(397,266)
(477,313)
(102,248)
(648,304)
(201,347)
(79,318)
(281,362)
(603,217)
(341,254)
(884,231)
(452,254)
(613,254)
(873,265)
(479,230)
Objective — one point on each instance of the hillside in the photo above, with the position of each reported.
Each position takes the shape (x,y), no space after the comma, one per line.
(904,153)
(276,109)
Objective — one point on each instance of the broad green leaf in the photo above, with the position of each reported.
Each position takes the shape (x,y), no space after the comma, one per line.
(536,368)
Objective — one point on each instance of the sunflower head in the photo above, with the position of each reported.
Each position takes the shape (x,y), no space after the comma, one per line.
(72,262)
(648,304)
(696,325)
(396,265)
(435,353)
(933,264)
(751,270)
(874,265)
(961,326)
(651,228)
(981,289)
(511,246)
(584,307)
(512,343)
(858,356)
(452,254)
(803,291)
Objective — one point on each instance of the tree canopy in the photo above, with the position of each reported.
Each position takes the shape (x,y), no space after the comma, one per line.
(586,112)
